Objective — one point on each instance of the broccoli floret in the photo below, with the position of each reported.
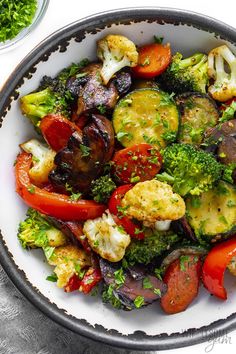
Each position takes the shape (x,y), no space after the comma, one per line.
(102,188)
(224,86)
(116,52)
(184,75)
(52,96)
(42,158)
(144,251)
(194,171)
(35,232)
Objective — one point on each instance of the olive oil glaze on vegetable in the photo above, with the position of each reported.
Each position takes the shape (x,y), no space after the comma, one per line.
(135,181)
(15,16)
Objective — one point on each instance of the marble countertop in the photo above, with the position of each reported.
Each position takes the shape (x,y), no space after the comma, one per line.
(24,329)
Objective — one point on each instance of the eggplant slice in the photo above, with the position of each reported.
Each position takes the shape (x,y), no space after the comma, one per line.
(93,95)
(198,112)
(84,158)
(134,284)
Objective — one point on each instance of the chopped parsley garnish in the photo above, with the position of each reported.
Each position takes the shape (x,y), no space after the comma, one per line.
(231,204)
(158,273)
(85,150)
(139,301)
(52,277)
(80,272)
(183,260)
(169,136)
(96,243)
(75,196)
(147,284)
(135,179)
(102,109)
(122,210)
(121,135)
(31,189)
(157,291)
(158,40)
(119,277)
(49,251)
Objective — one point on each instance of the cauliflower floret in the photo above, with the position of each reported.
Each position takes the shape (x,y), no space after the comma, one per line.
(116,52)
(67,259)
(224,87)
(43,160)
(232,266)
(105,238)
(151,201)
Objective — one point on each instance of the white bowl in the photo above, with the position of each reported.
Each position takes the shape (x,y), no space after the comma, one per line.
(147,328)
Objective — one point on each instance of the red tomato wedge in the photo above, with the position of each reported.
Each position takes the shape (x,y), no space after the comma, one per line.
(57,130)
(214,267)
(133,229)
(138,163)
(58,205)
(153,60)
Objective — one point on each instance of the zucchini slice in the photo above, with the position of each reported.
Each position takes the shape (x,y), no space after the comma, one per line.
(212,215)
(198,112)
(146,116)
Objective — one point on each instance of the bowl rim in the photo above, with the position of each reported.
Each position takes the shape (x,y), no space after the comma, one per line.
(138,340)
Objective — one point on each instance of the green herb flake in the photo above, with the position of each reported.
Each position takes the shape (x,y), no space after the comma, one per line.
(53,277)
(127,102)
(169,136)
(223,219)
(75,196)
(79,75)
(158,273)
(102,109)
(35,159)
(182,262)
(139,301)
(146,62)
(49,251)
(80,272)
(119,277)
(231,204)
(122,210)
(158,40)
(121,229)
(147,284)
(96,243)
(157,292)
(85,150)
(121,135)
(31,189)
(135,179)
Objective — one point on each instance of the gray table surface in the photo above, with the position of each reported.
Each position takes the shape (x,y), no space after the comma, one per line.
(26,330)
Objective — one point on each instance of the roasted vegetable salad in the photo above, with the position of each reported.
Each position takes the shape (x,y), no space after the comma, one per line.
(131,183)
